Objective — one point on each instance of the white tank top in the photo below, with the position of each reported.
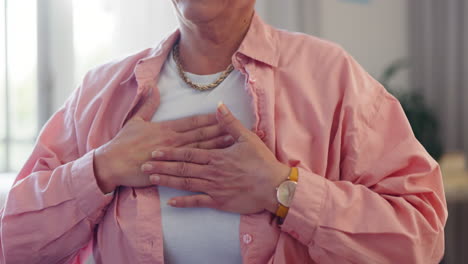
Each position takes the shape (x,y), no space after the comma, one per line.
(199,235)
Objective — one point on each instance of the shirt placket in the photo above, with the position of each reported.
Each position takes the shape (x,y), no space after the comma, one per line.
(149,245)
(248,235)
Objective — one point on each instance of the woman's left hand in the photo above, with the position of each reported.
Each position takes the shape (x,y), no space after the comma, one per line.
(241,178)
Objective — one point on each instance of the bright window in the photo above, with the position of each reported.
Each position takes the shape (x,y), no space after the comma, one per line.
(18,48)
(102,30)
(2,88)
(105,30)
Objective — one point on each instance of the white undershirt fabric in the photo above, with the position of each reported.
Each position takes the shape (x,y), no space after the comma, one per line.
(199,235)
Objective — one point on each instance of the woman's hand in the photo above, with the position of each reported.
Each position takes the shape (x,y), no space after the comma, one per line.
(241,178)
(118,162)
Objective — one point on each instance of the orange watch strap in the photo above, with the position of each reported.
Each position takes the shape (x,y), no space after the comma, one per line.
(294,174)
(282,210)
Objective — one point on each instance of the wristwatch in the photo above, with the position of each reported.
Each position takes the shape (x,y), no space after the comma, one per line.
(285,193)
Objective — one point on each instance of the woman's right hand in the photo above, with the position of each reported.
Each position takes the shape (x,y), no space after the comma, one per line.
(118,162)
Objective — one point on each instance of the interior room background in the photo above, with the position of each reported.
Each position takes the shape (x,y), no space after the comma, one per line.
(46,47)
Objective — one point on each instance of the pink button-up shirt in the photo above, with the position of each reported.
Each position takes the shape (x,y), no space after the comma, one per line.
(368,192)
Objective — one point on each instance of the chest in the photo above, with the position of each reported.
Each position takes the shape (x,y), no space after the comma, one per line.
(177,100)
(188,234)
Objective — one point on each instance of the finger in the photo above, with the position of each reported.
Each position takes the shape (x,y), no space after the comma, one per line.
(178,169)
(190,155)
(195,201)
(192,122)
(186,184)
(148,106)
(230,123)
(215,143)
(200,134)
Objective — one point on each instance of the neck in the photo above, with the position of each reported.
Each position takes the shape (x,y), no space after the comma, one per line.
(207,48)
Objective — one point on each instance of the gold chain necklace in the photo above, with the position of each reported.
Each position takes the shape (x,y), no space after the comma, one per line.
(199,87)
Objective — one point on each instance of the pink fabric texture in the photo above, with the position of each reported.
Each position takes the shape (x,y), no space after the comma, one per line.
(368,192)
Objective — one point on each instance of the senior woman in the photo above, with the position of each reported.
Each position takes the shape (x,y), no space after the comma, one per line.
(308,160)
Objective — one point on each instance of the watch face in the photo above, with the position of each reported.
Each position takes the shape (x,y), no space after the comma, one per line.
(285,192)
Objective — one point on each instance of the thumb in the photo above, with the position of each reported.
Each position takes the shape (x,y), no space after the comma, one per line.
(230,123)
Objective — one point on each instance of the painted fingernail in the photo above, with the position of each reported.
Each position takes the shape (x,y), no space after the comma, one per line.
(147,167)
(172,202)
(157,154)
(155,179)
(222,108)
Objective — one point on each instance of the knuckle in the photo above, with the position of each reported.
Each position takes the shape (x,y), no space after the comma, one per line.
(201,134)
(182,169)
(187,184)
(214,172)
(216,157)
(188,155)
(194,121)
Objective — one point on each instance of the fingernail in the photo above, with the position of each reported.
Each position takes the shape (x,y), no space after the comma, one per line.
(228,138)
(155,179)
(172,202)
(157,154)
(147,167)
(222,108)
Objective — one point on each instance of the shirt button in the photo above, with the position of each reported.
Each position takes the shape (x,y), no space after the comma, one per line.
(247,238)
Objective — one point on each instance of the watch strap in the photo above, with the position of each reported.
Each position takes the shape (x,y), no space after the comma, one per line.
(294,174)
(282,210)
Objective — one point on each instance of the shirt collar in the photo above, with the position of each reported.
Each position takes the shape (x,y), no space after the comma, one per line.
(148,67)
(258,44)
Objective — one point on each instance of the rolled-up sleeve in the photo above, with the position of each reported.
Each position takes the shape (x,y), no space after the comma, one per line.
(388,204)
(53,207)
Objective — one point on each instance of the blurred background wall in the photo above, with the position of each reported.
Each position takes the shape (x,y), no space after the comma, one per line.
(359,28)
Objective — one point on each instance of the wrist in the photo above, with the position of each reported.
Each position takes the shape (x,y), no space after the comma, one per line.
(281,175)
(102,173)
(272,204)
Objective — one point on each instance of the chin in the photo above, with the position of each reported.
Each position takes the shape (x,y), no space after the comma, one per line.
(199,11)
